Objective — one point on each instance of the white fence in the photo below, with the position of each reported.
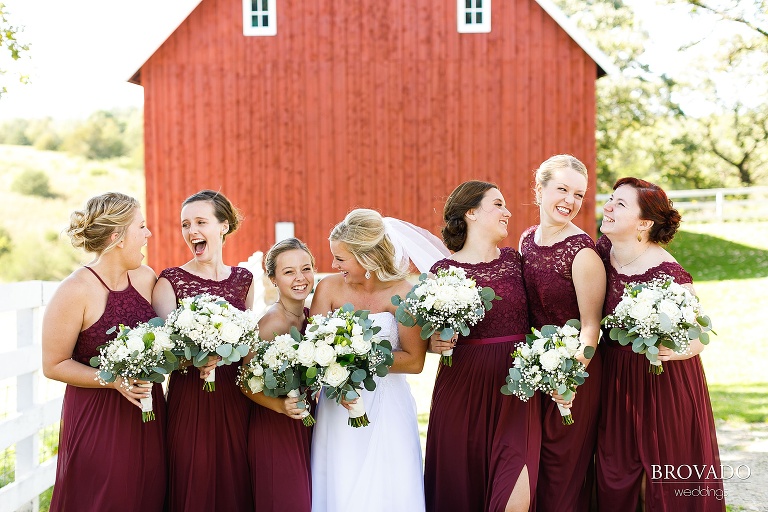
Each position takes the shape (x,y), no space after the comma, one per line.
(31,403)
(716,204)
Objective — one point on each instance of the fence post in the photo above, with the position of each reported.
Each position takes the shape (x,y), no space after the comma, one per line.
(719,203)
(27,450)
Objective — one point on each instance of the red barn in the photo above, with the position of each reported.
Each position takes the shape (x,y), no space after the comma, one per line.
(300,110)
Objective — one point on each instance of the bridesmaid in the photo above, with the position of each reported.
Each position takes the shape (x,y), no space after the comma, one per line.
(108,459)
(278,442)
(650,421)
(565,279)
(207,431)
(482,446)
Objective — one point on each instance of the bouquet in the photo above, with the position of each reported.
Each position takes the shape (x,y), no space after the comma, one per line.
(276,371)
(660,312)
(210,325)
(342,353)
(144,352)
(546,361)
(448,302)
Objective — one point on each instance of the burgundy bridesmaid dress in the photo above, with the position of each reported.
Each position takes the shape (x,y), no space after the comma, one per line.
(108,459)
(208,431)
(566,469)
(652,421)
(479,440)
(278,451)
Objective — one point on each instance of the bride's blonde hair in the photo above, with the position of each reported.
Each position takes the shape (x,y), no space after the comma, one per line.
(364,234)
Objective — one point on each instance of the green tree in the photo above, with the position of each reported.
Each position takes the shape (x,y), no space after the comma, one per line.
(33,183)
(100,136)
(9,43)
(5,242)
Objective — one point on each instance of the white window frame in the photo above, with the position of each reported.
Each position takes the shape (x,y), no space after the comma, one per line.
(473,28)
(271,13)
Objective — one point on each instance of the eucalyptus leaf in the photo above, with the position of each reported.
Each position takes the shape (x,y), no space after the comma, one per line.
(446,334)
(358,376)
(589,351)
(224,350)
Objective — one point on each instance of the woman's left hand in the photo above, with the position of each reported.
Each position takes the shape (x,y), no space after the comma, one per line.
(566,404)
(291,409)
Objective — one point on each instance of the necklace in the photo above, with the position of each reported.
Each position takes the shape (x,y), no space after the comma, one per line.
(289,311)
(554,235)
(629,262)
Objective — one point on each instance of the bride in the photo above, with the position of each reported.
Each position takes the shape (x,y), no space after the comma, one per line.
(377,467)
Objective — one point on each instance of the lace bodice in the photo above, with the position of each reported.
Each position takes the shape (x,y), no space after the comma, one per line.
(127,307)
(617,281)
(548,280)
(234,288)
(388,324)
(509,315)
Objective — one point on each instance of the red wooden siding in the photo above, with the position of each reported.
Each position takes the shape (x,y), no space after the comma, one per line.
(358,104)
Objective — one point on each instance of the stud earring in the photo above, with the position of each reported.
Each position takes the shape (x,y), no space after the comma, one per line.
(367,274)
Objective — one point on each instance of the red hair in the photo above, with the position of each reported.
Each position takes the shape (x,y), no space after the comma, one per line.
(655,206)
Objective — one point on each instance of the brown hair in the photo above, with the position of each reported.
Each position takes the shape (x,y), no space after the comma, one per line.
(655,206)
(289,244)
(223,208)
(466,196)
(92,227)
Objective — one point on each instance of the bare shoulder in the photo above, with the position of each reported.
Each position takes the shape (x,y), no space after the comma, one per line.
(401,288)
(75,292)
(143,279)
(330,284)
(272,324)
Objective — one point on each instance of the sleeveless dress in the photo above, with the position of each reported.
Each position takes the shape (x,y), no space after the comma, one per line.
(479,440)
(278,454)
(649,421)
(108,459)
(208,431)
(566,469)
(373,468)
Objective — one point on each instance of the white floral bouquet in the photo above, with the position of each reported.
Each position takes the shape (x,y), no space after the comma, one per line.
(342,353)
(143,352)
(658,313)
(276,370)
(448,302)
(546,361)
(210,325)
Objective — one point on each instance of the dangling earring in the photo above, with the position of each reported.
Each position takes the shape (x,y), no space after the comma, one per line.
(367,274)
(639,236)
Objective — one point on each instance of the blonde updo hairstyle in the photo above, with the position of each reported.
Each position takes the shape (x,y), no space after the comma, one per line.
(92,227)
(289,244)
(223,209)
(364,234)
(554,163)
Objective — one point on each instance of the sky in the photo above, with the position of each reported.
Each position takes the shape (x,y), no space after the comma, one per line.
(83,51)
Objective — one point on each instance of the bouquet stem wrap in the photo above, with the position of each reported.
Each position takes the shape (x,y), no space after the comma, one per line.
(306,416)
(446,357)
(357,415)
(566,414)
(656,368)
(147,412)
(210,381)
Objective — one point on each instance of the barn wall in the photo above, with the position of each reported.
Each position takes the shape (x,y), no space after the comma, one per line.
(358,104)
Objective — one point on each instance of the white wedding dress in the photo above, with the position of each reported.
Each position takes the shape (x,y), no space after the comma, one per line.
(373,468)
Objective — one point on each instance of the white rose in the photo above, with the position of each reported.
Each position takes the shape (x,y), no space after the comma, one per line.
(357,330)
(550,360)
(641,310)
(217,319)
(342,350)
(569,331)
(360,346)
(324,354)
(186,319)
(689,314)
(429,302)
(649,295)
(135,343)
(335,375)
(305,353)
(231,333)
(538,346)
(525,351)
(121,353)
(670,309)
(336,323)
(257,369)
(572,343)
(162,341)
(256,384)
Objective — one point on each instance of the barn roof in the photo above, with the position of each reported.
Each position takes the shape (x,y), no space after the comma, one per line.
(604,64)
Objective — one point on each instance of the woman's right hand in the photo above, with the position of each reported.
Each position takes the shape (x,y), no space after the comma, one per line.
(208,367)
(132,389)
(438,346)
(347,404)
(291,409)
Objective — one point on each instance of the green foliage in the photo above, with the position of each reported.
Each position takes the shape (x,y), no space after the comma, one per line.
(33,183)
(744,403)
(10,43)
(5,242)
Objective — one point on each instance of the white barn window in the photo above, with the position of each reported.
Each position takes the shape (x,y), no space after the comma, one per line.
(259,17)
(473,16)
